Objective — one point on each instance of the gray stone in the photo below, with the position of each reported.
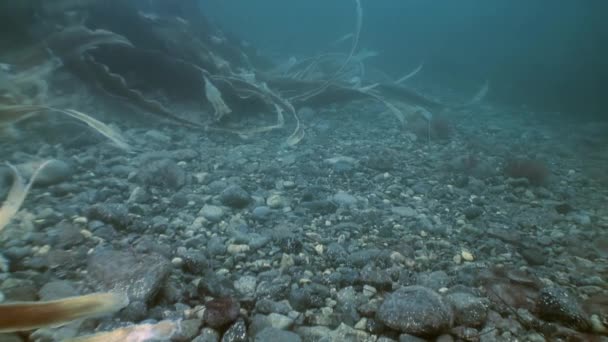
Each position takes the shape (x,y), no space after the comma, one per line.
(246,285)
(271,334)
(164,173)
(207,335)
(343,199)
(472,212)
(557,304)
(404,211)
(261,213)
(468,309)
(237,332)
(56,290)
(56,171)
(139,276)
(234,196)
(212,213)
(415,310)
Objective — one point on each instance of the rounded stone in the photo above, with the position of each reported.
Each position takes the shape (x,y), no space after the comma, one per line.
(416,310)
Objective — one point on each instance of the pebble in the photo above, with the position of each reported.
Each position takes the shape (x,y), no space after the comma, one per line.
(343,199)
(275,201)
(212,213)
(245,285)
(237,249)
(415,310)
(466,255)
(177,262)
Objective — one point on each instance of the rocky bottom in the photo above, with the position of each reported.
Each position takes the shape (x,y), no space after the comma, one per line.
(488,226)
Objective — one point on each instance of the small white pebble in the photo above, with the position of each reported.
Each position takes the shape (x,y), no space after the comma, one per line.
(81,220)
(304,281)
(275,201)
(319,249)
(369,291)
(361,324)
(86,233)
(222,271)
(287,261)
(236,249)
(597,325)
(201,176)
(177,261)
(44,250)
(466,255)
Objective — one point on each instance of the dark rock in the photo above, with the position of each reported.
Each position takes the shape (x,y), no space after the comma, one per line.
(362,257)
(56,290)
(68,236)
(348,300)
(267,306)
(236,197)
(376,277)
(134,312)
(215,285)
(111,213)
(556,304)
(410,338)
(216,246)
(468,309)
(139,276)
(220,312)
(415,310)
(472,212)
(320,206)
(535,171)
(38,263)
(563,208)
(534,256)
(461,181)
(67,260)
(290,244)
(19,290)
(369,309)
(237,332)
(465,333)
(56,171)
(381,161)
(312,296)
(374,326)
(163,173)
(336,253)
(195,262)
(433,280)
